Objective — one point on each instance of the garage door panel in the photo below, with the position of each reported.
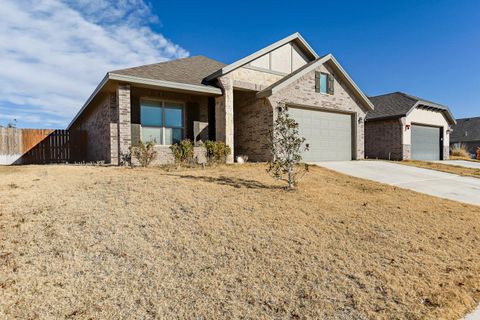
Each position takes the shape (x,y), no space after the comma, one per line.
(425,142)
(328,134)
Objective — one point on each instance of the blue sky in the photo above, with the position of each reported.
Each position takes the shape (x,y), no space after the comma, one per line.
(425,48)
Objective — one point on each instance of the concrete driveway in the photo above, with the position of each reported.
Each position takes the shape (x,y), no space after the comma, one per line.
(461,163)
(435,183)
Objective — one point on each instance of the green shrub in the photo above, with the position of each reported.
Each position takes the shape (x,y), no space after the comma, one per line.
(460,150)
(217,151)
(183,152)
(144,152)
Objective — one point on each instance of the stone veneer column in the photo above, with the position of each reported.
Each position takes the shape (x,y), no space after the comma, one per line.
(113,129)
(224,115)
(124,121)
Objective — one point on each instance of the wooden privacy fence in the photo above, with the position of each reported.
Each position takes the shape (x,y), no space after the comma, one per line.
(40,146)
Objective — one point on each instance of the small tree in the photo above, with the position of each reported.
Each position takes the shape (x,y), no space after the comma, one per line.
(287,147)
(144,152)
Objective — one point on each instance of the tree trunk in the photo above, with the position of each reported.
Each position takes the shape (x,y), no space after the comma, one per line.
(290,182)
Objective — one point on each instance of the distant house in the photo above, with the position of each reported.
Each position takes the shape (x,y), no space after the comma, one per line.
(199,98)
(467,132)
(404,127)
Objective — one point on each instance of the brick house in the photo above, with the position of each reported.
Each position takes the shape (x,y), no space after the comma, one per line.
(467,132)
(405,127)
(199,98)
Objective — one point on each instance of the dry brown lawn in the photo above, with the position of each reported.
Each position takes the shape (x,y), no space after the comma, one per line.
(118,243)
(461,171)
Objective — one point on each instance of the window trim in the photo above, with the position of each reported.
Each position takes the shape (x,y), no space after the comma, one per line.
(163,102)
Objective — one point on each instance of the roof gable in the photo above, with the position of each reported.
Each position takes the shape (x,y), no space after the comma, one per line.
(310,67)
(399,104)
(257,59)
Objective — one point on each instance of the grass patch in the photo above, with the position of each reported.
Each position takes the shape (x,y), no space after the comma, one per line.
(461,171)
(229,242)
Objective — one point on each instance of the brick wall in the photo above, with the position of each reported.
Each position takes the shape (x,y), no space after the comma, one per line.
(96,122)
(383,139)
(253,121)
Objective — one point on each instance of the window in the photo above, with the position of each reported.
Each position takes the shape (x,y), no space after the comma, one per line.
(323,83)
(161,122)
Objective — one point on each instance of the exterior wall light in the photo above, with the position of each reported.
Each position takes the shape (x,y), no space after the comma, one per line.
(360,120)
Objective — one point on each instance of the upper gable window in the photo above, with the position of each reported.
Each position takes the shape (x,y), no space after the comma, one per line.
(323,83)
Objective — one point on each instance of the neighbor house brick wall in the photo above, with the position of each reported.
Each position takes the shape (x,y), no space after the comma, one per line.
(253,122)
(383,139)
(96,122)
(302,93)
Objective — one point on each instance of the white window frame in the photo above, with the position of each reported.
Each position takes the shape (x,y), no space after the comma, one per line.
(163,127)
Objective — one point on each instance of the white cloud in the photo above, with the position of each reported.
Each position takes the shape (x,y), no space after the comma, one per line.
(54,53)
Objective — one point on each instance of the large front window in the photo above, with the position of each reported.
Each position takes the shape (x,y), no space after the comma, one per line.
(162,121)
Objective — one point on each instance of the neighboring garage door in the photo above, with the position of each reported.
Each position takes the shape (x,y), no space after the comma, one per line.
(425,143)
(328,134)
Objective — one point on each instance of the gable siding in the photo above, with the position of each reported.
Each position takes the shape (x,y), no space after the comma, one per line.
(302,93)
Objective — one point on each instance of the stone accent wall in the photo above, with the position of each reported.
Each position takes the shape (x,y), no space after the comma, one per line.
(96,122)
(243,76)
(114,159)
(253,121)
(124,121)
(446,152)
(383,139)
(406,151)
(165,155)
(302,93)
(224,125)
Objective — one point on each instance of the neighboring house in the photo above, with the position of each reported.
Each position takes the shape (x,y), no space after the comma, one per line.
(404,127)
(467,132)
(199,98)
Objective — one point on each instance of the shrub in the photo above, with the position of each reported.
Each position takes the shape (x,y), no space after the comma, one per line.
(460,150)
(287,147)
(183,152)
(144,152)
(217,151)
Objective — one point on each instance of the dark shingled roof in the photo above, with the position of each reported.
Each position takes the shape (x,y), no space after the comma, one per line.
(467,129)
(188,70)
(391,105)
(398,104)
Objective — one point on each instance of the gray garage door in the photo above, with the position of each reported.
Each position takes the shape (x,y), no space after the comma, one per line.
(328,134)
(425,143)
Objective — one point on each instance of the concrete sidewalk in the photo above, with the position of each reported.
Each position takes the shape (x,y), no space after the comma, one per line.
(435,183)
(461,163)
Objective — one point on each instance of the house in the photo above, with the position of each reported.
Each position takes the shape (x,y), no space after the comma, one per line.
(467,132)
(404,127)
(199,98)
